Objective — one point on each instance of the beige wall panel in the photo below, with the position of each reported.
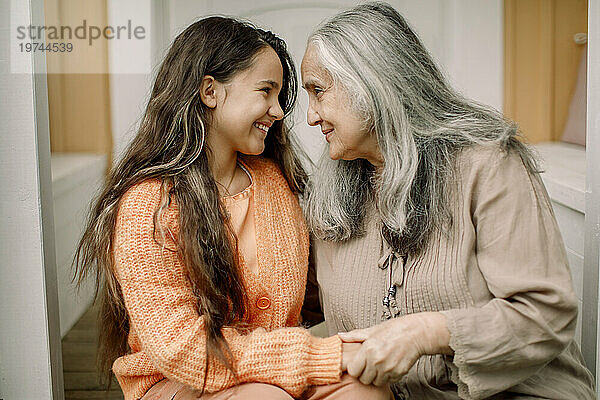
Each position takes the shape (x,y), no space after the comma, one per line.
(528,69)
(79,102)
(572,20)
(541,62)
(86,113)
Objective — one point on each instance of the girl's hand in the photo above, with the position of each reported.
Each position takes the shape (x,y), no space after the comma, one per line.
(391,348)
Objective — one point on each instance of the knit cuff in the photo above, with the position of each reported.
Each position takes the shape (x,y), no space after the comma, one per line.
(324,360)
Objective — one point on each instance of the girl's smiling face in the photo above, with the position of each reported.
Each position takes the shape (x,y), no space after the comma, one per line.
(244,108)
(330,107)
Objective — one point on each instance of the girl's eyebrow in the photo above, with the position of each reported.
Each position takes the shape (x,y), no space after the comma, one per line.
(270,82)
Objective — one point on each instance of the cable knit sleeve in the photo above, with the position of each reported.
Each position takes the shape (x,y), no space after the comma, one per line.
(520,253)
(170,332)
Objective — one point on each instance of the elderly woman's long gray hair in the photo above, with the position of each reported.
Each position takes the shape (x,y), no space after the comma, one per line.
(421,124)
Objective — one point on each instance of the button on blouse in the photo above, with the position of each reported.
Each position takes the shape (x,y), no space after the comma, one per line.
(263,302)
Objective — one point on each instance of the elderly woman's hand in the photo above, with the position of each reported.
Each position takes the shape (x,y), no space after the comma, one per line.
(391,348)
(349,351)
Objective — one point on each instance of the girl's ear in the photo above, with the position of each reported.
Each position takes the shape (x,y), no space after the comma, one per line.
(208,91)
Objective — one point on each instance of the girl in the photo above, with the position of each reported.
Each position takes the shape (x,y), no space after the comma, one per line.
(200,255)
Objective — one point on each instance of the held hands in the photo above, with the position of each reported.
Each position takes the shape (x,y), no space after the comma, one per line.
(349,351)
(390,349)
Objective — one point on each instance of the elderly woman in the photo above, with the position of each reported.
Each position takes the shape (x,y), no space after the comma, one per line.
(430,215)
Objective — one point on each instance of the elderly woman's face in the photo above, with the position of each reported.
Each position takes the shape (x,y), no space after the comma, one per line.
(329,107)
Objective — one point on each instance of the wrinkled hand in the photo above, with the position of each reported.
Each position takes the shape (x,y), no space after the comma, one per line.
(349,351)
(391,348)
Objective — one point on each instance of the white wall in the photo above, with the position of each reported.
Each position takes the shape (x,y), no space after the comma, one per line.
(473,48)
(130,89)
(30,357)
(76,178)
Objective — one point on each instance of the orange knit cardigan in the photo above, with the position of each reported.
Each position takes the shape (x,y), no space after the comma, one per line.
(166,334)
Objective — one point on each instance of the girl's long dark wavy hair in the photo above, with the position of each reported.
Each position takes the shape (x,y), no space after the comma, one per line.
(168,147)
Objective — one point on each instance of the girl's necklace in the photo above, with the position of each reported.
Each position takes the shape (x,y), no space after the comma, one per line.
(231,180)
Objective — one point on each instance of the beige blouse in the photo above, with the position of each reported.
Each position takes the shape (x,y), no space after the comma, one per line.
(499,275)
